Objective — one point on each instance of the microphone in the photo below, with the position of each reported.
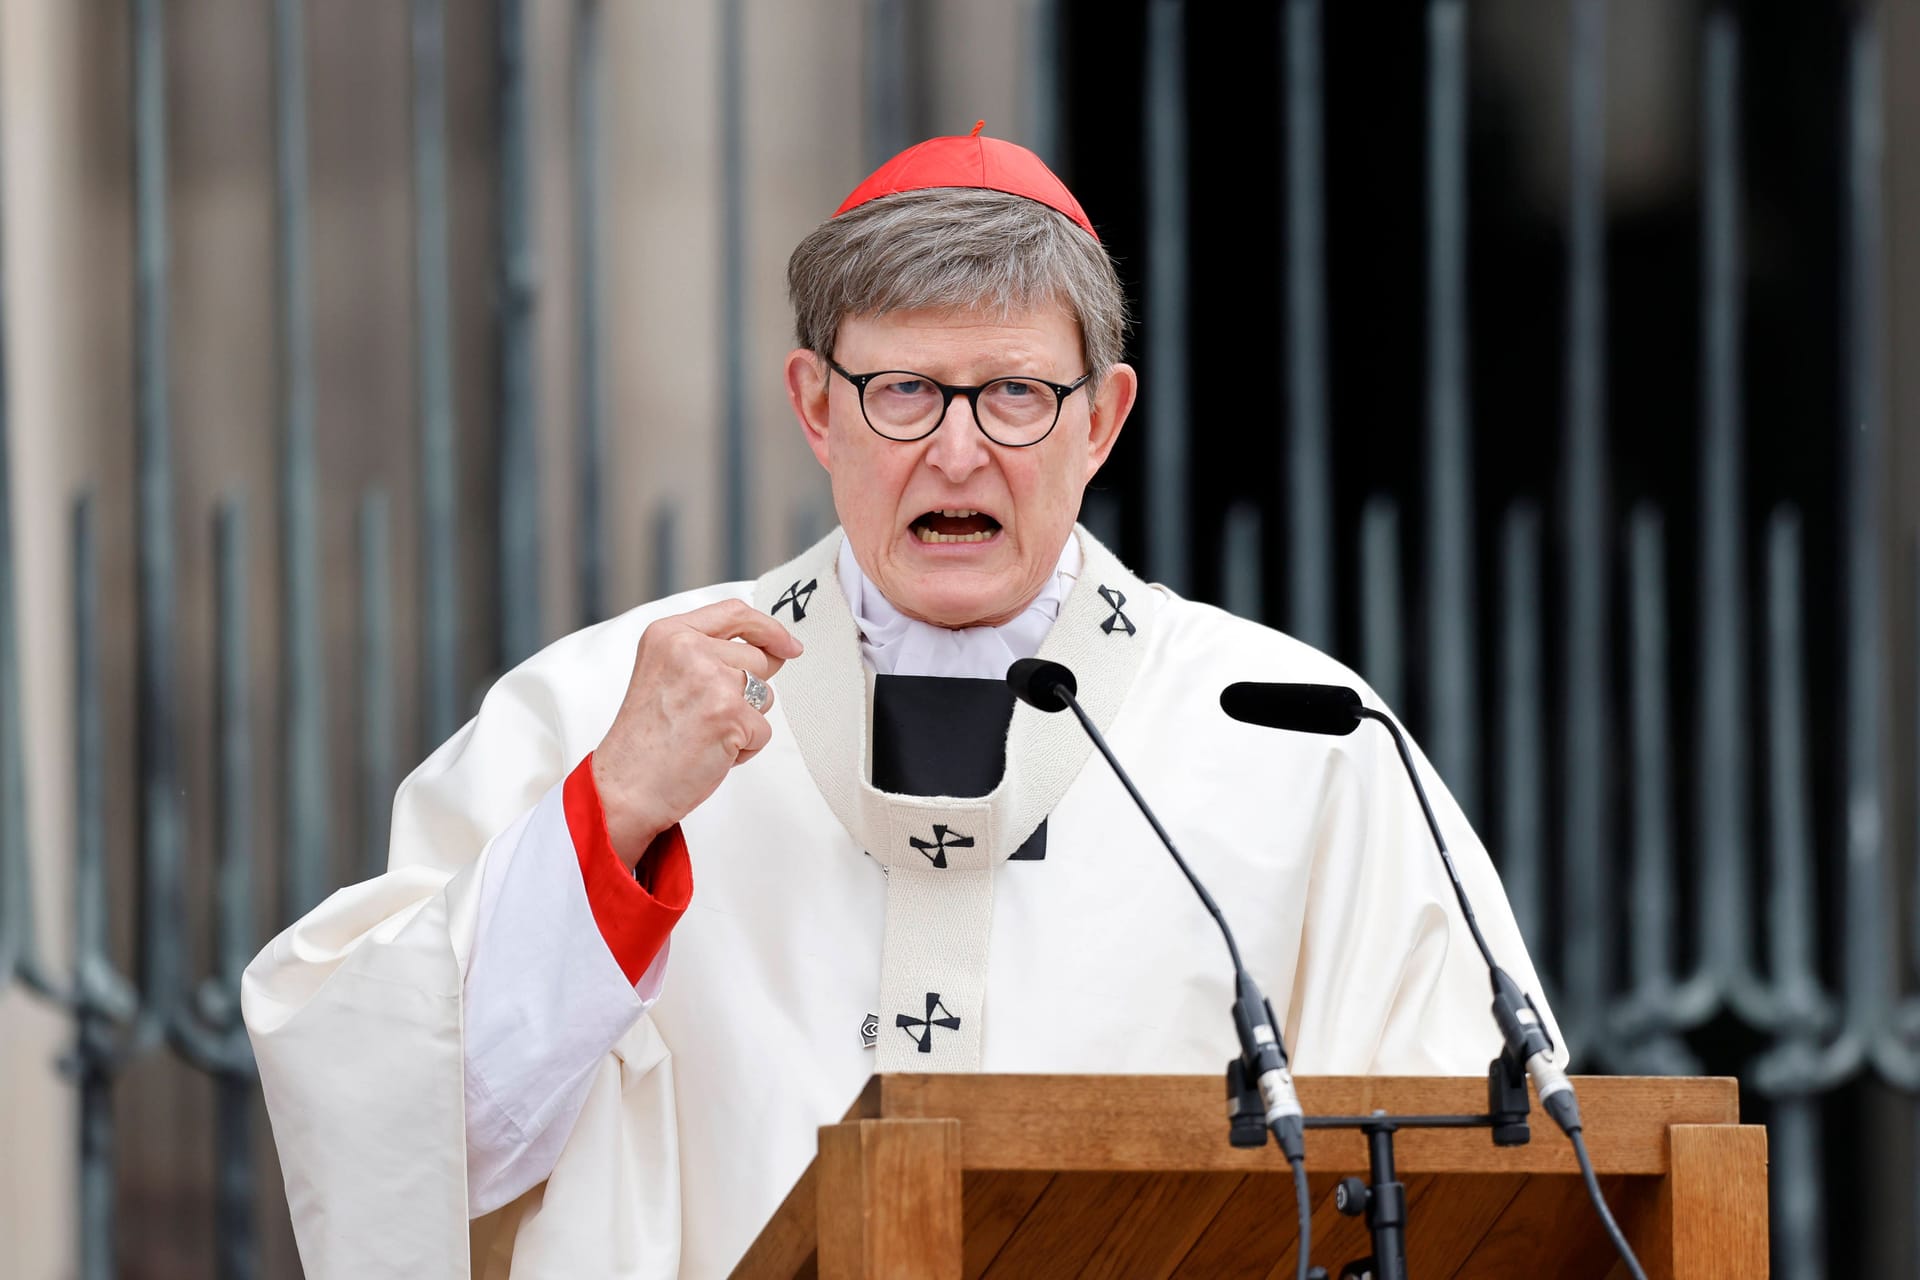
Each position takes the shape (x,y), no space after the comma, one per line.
(1049,686)
(1337,709)
(1303,708)
(1042,684)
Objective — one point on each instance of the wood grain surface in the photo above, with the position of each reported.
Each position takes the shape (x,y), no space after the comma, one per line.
(1178,1123)
(888,1199)
(1132,1177)
(1717,1202)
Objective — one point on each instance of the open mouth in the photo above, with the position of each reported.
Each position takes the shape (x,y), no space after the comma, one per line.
(955,524)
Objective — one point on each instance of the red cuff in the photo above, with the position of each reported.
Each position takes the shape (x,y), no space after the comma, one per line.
(634,921)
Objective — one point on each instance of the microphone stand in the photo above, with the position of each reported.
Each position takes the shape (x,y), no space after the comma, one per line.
(1382,1199)
(1260,1092)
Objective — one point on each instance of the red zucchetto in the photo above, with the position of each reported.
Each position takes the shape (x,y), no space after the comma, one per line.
(972,161)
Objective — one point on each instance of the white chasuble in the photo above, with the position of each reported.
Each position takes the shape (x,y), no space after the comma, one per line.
(818,902)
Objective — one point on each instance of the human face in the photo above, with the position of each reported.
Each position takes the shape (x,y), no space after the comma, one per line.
(890,495)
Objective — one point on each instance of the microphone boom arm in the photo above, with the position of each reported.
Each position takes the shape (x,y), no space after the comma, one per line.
(1260,1046)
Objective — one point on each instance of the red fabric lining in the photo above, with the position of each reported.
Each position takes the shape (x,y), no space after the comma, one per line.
(634,920)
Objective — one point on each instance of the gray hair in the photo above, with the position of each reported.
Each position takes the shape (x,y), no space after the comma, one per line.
(959,248)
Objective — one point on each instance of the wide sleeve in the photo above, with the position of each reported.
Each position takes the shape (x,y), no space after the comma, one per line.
(1389,979)
(356,1012)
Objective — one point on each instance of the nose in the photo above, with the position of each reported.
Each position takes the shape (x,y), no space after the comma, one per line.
(957,448)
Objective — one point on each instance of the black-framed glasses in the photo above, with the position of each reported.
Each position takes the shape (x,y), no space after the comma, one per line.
(905,406)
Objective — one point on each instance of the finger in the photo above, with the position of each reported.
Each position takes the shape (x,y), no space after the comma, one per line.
(759,734)
(749,657)
(736,619)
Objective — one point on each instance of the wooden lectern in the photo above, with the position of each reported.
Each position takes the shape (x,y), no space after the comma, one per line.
(1015,1176)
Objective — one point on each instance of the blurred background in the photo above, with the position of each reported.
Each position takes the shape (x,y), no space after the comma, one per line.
(1552,363)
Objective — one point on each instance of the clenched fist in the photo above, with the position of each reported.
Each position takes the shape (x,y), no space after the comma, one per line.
(685,720)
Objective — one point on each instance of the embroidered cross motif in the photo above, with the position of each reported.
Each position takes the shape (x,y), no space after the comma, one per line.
(797,596)
(924,1036)
(935,850)
(1119,619)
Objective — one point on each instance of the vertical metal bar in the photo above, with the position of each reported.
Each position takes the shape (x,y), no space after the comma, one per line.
(666,555)
(1523,732)
(1795,1127)
(162,902)
(1043,81)
(588,81)
(1241,588)
(376,683)
(1586,834)
(1309,467)
(93,1058)
(97,1235)
(1869,903)
(1794,1158)
(519,454)
(1914,639)
(733,282)
(19,951)
(238,1240)
(91,941)
(234,943)
(236,1233)
(1643,1041)
(1453,699)
(1790,882)
(1166,294)
(1382,653)
(889,66)
(306,800)
(16,906)
(1650,950)
(1723,825)
(439,565)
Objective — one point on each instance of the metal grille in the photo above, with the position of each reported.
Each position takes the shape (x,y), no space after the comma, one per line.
(1533,755)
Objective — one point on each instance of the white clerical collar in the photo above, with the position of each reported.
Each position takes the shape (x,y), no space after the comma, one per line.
(894,644)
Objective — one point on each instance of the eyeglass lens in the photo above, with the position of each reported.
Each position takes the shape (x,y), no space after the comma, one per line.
(1011,410)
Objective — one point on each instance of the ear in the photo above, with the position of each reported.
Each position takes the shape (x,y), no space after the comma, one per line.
(807,392)
(1108,413)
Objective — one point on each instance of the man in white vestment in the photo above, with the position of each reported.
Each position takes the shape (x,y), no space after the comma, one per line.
(692,875)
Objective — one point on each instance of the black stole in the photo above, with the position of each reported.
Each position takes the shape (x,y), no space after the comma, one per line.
(945,736)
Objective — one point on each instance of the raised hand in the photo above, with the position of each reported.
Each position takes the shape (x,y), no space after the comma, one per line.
(685,720)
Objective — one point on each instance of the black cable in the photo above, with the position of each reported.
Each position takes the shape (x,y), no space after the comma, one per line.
(1614,1233)
(1433,825)
(1303,1201)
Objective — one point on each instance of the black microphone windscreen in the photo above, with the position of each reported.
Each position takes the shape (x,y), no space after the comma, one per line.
(1303,708)
(1038,683)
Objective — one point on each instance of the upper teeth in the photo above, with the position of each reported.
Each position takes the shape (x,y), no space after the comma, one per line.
(926,534)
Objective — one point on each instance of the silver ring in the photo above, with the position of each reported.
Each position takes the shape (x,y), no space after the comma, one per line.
(757,693)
